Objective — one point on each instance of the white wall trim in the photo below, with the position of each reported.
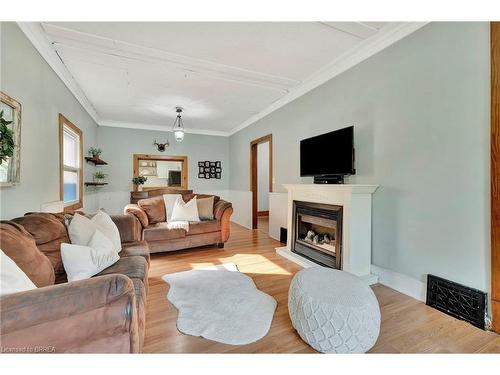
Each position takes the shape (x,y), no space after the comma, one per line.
(387,36)
(161,128)
(402,283)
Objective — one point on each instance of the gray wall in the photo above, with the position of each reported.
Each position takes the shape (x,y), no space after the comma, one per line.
(119,144)
(26,77)
(421,114)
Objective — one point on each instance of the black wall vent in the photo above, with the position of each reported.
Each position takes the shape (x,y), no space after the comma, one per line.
(457,300)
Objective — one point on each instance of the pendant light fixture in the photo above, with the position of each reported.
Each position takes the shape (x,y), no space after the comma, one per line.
(178,128)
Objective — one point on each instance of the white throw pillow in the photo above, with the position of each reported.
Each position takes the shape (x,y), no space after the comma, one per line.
(106,225)
(170,200)
(81,262)
(185,211)
(81,229)
(12,278)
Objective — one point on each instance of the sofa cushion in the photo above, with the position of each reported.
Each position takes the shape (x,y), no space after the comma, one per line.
(135,248)
(154,208)
(200,227)
(133,267)
(159,232)
(19,245)
(49,231)
(206,208)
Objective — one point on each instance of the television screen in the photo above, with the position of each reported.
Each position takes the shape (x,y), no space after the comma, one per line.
(328,154)
(174,178)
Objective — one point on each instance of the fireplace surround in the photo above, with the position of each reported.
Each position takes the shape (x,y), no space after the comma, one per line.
(355,229)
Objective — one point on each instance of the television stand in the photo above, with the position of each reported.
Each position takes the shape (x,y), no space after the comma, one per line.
(329,179)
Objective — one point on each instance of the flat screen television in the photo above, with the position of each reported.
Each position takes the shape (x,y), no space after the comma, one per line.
(328,157)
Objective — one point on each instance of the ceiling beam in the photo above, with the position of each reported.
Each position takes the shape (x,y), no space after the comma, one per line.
(63,37)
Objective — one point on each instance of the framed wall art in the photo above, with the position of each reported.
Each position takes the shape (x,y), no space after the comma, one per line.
(210,169)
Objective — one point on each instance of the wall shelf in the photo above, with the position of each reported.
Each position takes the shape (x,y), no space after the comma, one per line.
(95,183)
(95,161)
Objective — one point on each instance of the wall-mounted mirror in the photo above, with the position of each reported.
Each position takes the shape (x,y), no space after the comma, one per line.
(161,171)
(10,168)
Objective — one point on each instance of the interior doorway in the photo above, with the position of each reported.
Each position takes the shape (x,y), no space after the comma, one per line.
(261,180)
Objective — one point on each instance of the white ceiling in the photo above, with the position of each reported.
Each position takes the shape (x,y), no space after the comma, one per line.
(225,75)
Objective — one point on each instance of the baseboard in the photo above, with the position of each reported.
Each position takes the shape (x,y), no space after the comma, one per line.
(402,283)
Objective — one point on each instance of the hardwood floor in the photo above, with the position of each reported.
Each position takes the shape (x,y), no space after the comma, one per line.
(263,224)
(408,325)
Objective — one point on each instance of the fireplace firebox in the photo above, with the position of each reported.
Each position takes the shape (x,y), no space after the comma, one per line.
(317,233)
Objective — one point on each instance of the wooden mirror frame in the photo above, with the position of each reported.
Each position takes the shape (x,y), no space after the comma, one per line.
(14,176)
(182,159)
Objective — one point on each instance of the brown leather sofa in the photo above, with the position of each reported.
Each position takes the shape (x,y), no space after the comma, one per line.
(151,214)
(104,314)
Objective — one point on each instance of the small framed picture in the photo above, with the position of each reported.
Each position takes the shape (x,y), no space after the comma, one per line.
(207,169)
(218,164)
(218,170)
(201,169)
(212,175)
(201,163)
(212,169)
(207,164)
(201,175)
(207,175)
(218,176)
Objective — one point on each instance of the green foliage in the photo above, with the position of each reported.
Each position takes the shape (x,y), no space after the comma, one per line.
(139,180)
(99,175)
(6,139)
(95,152)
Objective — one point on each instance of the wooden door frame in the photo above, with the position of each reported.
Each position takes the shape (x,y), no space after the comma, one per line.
(495,174)
(182,159)
(253,172)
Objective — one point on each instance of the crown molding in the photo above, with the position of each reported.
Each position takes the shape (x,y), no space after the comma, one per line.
(386,36)
(161,128)
(36,35)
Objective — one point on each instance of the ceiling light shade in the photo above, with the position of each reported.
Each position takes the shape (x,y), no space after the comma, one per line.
(178,128)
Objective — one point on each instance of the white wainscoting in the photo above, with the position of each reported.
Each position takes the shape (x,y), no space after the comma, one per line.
(278,210)
(402,283)
(242,207)
(113,202)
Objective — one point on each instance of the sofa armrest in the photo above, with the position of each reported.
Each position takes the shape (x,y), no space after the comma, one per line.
(220,207)
(139,213)
(129,227)
(222,212)
(94,316)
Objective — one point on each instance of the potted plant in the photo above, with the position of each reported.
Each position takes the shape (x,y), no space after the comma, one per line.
(99,176)
(6,139)
(95,152)
(139,181)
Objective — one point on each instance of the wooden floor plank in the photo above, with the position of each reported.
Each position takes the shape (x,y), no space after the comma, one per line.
(408,325)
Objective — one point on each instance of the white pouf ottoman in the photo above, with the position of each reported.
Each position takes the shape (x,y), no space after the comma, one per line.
(334,311)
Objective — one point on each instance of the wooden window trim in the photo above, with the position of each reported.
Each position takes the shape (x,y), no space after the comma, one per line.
(182,159)
(64,122)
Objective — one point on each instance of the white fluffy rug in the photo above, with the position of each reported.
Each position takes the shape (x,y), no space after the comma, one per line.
(220,304)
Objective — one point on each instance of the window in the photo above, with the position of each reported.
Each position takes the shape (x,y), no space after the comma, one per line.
(71,164)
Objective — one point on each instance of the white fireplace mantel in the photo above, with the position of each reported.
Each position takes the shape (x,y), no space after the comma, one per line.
(356,202)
